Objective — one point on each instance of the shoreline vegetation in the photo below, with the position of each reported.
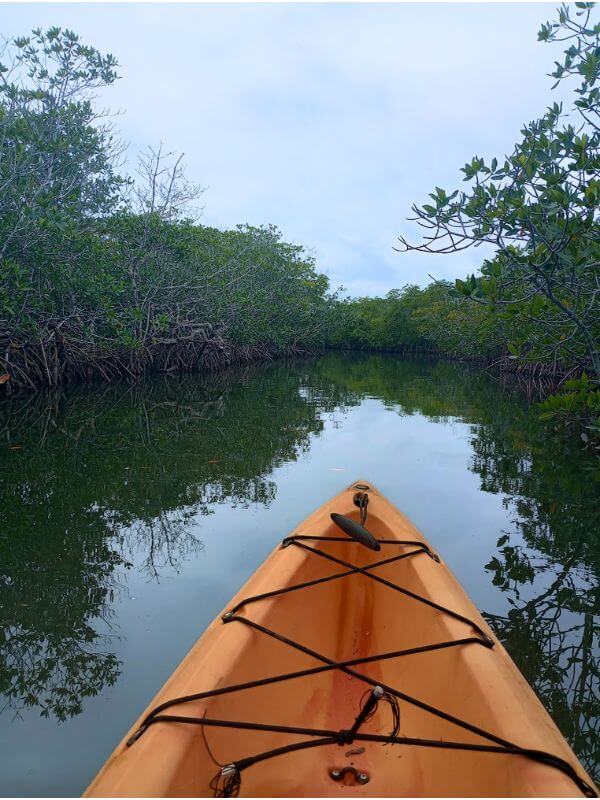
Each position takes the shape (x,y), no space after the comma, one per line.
(106,276)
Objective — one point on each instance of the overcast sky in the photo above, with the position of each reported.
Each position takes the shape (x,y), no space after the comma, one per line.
(326,120)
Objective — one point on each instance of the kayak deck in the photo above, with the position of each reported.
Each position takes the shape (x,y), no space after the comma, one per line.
(405,625)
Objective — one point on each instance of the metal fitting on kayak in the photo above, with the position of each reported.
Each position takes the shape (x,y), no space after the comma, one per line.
(229,769)
(348,775)
(227,782)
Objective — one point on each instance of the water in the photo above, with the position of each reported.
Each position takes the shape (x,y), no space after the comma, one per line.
(130,516)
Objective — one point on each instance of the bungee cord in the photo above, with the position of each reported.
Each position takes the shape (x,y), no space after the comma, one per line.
(227,782)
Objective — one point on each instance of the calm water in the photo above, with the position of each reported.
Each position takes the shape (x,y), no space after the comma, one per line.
(130,517)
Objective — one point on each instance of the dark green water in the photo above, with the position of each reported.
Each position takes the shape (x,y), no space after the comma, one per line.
(129,517)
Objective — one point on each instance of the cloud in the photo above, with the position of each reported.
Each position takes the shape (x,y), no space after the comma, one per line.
(327,120)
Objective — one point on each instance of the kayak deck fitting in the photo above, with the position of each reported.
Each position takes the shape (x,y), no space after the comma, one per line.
(411,694)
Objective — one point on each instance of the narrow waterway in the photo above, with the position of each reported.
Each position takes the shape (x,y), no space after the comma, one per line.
(130,515)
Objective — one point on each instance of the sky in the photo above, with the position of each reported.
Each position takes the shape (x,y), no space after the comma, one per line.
(327,120)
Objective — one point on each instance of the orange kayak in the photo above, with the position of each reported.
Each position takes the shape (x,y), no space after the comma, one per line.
(352,663)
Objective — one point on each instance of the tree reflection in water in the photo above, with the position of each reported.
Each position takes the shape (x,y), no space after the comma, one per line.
(91,484)
(549,572)
(97,483)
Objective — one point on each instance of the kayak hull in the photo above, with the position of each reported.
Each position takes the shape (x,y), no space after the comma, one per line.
(347,619)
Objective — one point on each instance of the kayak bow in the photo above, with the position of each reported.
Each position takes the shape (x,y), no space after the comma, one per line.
(338,670)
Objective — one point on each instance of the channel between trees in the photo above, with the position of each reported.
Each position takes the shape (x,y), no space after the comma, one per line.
(105,275)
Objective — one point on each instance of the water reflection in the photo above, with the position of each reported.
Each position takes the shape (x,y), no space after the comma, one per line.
(90,483)
(96,483)
(549,571)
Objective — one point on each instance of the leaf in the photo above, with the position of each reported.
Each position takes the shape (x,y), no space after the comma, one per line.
(493,564)
(4,378)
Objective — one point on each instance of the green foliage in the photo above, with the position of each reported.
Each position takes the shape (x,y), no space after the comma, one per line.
(102,276)
(432,319)
(56,158)
(99,275)
(158,281)
(538,207)
(577,403)
(536,300)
